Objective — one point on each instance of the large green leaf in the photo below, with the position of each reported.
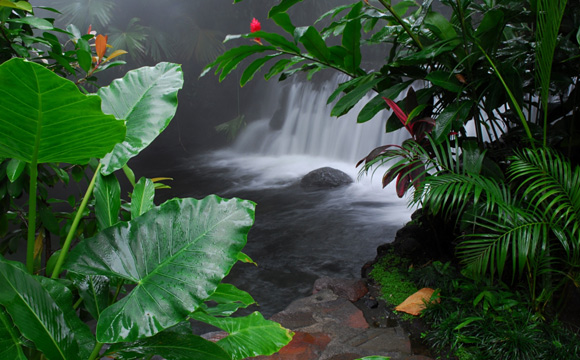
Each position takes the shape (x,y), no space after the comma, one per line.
(42,310)
(174,343)
(313,42)
(249,336)
(45,116)
(10,343)
(107,200)
(147,99)
(176,253)
(351,42)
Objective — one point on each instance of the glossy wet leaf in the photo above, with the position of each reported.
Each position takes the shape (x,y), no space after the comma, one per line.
(22,5)
(14,169)
(351,42)
(107,200)
(176,253)
(10,341)
(228,299)
(147,99)
(249,336)
(42,310)
(172,344)
(45,114)
(94,290)
(142,197)
(313,42)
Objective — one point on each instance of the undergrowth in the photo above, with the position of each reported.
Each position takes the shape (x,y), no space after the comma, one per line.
(475,320)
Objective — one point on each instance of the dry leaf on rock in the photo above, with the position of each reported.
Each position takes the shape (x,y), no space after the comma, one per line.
(415,303)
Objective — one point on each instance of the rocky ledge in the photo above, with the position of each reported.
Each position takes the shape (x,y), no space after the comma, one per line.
(341,320)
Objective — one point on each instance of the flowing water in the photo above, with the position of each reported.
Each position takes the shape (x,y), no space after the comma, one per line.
(299,235)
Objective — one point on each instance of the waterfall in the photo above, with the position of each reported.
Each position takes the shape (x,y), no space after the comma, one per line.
(301,124)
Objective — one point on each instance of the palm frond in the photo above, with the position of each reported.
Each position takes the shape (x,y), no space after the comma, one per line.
(515,235)
(549,17)
(83,13)
(132,38)
(548,182)
(449,192)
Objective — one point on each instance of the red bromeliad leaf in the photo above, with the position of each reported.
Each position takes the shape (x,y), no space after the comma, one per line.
(420,128)
(392,173)
(376,152)
(403,183)
(398,111)
(418,173)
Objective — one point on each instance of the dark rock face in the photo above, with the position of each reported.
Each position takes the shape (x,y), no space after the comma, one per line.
(351,289)
(325,178)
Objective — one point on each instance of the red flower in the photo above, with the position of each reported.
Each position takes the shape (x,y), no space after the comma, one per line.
(256,26)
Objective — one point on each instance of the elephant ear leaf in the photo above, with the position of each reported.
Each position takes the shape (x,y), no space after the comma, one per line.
(147,99)
(42,310)
(45,118)
(176,254)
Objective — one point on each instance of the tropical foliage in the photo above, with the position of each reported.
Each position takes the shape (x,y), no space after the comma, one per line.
(141,272)
(491,113)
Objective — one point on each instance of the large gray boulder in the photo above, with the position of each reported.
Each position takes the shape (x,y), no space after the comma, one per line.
(325,178)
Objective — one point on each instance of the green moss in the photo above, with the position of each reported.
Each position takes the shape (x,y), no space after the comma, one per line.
(389,274)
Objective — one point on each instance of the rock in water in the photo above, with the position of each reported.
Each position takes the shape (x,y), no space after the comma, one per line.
(325,178)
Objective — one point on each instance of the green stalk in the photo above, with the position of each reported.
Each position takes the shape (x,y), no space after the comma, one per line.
(512,98)
(413,36)
(32,213)
(75,224)
(96,351)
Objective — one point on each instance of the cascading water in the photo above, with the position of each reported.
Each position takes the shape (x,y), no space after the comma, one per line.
(301,235)
(308,128)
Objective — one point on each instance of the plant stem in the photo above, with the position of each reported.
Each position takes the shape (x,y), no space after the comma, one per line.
(413,36)
(32,214)
(75,224)
(513,99)
(96,351)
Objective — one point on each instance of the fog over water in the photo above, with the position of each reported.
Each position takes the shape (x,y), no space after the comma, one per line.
(298,235)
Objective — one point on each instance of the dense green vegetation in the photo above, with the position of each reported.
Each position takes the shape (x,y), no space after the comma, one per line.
(489,99)
(137,273)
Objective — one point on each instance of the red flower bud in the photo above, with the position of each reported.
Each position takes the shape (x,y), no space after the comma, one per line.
(256,26)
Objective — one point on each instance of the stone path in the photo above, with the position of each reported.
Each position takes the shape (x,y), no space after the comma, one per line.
(328,326)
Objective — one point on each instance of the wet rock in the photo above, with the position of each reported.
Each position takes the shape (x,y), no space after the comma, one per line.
(325,178)
(351,289)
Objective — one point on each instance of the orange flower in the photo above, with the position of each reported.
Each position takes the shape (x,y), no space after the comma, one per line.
(256,26)
(101,46)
